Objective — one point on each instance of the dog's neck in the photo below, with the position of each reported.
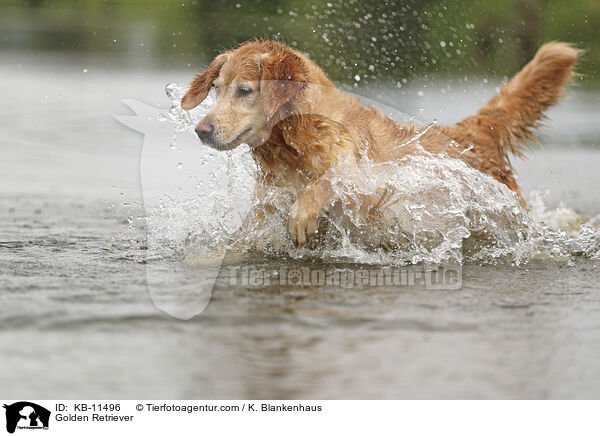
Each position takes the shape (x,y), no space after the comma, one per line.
(280,152)
(305,137)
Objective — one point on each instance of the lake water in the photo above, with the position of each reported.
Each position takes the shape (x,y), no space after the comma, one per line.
(77,321)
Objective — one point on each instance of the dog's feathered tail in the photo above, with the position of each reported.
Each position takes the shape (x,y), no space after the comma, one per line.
(511,115)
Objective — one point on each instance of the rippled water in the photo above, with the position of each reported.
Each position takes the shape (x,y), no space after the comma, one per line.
(74,299)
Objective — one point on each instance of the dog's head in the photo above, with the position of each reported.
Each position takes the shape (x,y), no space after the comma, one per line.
(256,85)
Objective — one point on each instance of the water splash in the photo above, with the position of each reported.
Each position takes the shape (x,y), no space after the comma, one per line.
(438,210)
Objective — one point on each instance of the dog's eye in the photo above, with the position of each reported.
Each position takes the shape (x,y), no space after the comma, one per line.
(244,90)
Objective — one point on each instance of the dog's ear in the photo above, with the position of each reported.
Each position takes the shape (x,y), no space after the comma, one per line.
(283,75)
(202,83)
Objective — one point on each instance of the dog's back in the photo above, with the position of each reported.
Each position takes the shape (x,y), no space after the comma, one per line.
(485,140)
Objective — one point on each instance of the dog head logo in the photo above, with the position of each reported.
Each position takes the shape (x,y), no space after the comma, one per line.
(185,186)
(196,199)
(26,415)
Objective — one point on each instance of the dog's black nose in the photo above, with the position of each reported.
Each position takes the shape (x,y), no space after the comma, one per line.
(205,131)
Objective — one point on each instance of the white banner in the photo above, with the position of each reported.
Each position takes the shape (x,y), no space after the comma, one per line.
(150,417)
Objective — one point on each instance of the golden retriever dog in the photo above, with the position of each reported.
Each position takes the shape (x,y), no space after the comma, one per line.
(300,127)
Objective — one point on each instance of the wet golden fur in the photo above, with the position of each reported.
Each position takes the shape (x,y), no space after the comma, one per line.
(301,127)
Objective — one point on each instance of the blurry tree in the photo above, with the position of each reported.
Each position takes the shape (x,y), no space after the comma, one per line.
(354,41)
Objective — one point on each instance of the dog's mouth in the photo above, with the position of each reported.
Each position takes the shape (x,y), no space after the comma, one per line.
(234,143)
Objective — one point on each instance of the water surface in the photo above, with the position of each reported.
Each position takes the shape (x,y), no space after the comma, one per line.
(76,320)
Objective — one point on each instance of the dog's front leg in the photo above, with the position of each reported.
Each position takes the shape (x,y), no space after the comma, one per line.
(320,193)
(307,209)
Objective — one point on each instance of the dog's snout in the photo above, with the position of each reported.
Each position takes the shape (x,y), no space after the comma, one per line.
(205,130)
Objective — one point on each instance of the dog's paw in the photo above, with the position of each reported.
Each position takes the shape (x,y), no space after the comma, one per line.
(304,221)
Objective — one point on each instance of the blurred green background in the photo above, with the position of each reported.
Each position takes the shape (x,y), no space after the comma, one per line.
(375,41)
